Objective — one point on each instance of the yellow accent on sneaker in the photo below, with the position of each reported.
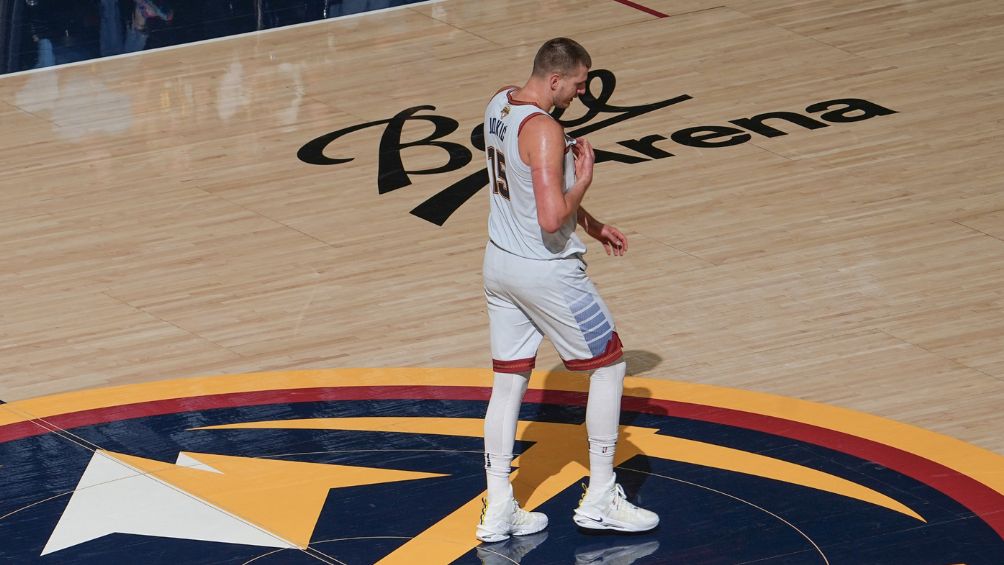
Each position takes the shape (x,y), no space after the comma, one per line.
(499,522)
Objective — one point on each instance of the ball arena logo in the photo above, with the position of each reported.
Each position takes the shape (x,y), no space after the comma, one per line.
(385,465)
(392,174)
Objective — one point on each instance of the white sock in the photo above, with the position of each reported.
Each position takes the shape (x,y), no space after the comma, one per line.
(603,413)
(500,432)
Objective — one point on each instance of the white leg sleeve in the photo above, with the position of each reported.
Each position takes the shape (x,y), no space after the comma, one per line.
(500,431)
(603,412)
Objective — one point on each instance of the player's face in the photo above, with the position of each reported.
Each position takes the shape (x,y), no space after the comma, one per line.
(570,86)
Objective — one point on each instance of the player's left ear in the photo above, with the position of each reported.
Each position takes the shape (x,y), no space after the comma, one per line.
(555,81)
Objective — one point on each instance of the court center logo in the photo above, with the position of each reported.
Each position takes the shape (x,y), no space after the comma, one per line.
(385,465)
(600,114)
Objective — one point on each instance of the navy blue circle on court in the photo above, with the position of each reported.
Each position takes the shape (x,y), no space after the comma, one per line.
(710,515)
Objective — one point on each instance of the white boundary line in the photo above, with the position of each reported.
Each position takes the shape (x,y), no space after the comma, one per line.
(762,509)
(217,39)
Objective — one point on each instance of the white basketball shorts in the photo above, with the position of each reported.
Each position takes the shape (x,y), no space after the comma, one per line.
(529,299)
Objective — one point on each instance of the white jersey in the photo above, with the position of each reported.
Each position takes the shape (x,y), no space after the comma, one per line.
(512,217)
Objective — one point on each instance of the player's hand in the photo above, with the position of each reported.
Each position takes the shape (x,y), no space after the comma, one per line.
(613,240)
(584,160)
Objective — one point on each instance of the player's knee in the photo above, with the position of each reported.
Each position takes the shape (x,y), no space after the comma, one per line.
(614,372)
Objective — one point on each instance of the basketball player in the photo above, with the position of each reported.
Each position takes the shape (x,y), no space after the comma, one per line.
(536,286)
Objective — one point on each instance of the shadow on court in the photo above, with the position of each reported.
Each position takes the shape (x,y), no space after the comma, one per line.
(562,406)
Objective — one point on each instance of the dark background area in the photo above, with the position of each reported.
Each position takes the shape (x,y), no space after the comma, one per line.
(43,33)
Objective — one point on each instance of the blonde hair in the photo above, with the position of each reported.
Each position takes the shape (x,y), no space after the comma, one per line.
(560,55)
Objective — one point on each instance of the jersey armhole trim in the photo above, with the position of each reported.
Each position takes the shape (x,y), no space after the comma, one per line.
(527,119)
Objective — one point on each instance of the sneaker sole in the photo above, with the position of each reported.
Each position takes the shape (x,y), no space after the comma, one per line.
(494,538)
(528,531)
(591,524)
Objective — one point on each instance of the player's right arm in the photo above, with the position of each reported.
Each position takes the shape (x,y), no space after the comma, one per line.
(542,147)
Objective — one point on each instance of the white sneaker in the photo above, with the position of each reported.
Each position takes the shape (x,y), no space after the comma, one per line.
(498,522)
(610,510)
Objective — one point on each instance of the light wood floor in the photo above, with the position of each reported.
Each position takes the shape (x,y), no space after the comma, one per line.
(156,223)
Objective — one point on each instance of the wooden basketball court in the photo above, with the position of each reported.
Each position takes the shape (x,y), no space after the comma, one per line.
(165,214)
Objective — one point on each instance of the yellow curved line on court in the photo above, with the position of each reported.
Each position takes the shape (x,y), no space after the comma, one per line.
(542,478)
(977,463)
(642,440)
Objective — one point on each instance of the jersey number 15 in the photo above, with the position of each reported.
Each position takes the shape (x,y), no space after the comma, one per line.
(496,168)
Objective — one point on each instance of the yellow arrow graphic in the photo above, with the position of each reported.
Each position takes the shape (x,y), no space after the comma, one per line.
(282,497)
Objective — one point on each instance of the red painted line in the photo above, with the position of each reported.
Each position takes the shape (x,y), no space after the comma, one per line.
(986,503)
(983,501)
(645,9)
(72,420)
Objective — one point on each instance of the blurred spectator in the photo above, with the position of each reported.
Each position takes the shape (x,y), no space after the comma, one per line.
(337,8)
(65,31)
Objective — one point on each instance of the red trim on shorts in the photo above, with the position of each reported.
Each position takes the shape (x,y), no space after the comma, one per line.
(613,352)
(515,365)
(527,119)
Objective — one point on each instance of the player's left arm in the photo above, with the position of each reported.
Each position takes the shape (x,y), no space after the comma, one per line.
(614,241)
